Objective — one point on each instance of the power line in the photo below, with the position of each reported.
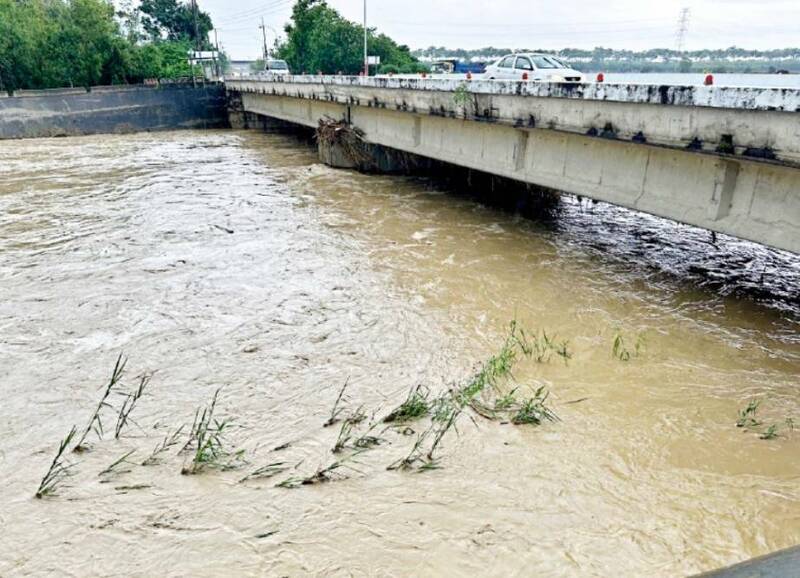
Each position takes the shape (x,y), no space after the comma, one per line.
(269,8)
(683,28)
(250,12)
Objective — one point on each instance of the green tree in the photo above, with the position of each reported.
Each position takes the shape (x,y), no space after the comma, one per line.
(160,60)
(173,20)
(318,38)
(53,43)
(87,38)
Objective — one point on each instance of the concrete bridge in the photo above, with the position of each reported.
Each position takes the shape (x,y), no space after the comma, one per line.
(726,159)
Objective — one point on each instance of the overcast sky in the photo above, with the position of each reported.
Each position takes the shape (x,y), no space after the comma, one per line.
(634,24)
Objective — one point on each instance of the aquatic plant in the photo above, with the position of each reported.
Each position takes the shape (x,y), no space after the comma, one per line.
(621,351)
(349,438)
(415,455)
(169,441)
(337,410)
(265,472)
(534,411)
(358,416)
(506,401)
(59,469)
(345,434)
(129,404)
(114,467)
(207,437)
(446,409)
(544,346)
(329,473)
(446,422)
(773,431)
(367,440)
(747,416)
(414,407)
(96,423)
(496,368)
(770,433)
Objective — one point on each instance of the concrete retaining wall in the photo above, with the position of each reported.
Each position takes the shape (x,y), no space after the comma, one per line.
(34,114)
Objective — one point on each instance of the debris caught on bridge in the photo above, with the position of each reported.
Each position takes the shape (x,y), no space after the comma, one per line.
(339,133)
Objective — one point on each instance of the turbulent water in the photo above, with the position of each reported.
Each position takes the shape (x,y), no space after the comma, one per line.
(235,261)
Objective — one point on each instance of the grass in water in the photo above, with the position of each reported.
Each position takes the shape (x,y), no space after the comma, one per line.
(446,422)
(345,435)
(770,433)
(131,399)
(265,472)
(329,473)
(747,416)
(337,410)
(169,441)
(507,401)
(59,469)
(349,438)
(773,431)
(414,407)
(748,419)
(96,423)
(543,347)
(207,437)
(498,367)
(115,467)
(534,411)
(621,351)
(446,409)
(415,456)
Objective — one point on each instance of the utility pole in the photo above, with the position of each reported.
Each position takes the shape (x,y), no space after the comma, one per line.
(196,29)
(263,28)
(366,52)
(196,39)
(216,54)
(683,28)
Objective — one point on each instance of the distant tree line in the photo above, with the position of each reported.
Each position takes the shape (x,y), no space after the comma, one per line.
(731,59)
(59,43)
(318,39)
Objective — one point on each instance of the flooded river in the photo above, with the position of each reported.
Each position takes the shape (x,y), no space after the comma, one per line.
(235,261)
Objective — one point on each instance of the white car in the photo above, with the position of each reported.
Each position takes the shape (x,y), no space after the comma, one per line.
(534,67)
(276,68)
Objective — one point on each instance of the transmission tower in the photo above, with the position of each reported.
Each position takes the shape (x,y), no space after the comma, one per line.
(683,28)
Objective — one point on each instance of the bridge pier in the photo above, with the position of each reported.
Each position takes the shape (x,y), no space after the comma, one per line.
(343,146)
(335,155)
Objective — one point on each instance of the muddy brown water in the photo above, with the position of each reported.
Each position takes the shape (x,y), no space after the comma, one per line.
(235,260)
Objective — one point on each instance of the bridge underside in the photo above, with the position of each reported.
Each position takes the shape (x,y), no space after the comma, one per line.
(749,199)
